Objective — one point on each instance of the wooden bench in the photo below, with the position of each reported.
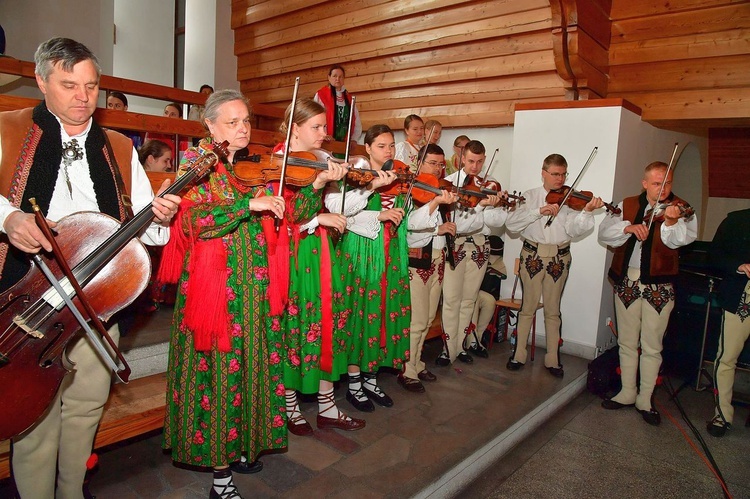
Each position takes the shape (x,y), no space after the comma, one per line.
(132,410)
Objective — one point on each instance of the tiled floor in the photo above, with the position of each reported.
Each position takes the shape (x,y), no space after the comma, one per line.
(402,450)
(587,452)
(428,442)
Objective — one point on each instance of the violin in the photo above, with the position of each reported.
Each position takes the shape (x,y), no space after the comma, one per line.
(577,199)
(404,177)
(302,168)
(658,211)
(475,189)
(111,265)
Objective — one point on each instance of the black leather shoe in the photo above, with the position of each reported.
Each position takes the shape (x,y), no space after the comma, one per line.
(246,467)
(442,361)
(652,416)
(557,372)
(465,358)
(480,352)
(364,405)
(378,396)
(426,375)
(410,384)
(512,365)
(612,405)
(717,427)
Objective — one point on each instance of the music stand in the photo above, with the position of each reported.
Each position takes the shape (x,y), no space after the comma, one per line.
(702,371)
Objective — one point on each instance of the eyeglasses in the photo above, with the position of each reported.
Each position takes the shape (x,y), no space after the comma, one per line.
(435,163)
(557,175)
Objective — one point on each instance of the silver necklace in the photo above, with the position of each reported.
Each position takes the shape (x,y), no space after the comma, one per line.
(71,152)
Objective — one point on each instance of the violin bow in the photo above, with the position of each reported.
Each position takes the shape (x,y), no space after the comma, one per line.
(346,154)
(489,166)
(460,167)
(123,374)
(408,201)
(575,183)
(288,138)
(663,183)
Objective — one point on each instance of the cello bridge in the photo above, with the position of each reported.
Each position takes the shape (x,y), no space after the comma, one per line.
(21,322)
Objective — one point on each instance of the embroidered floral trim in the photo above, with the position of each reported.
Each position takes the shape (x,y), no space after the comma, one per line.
(556,268)
(534,265)
(459,254)
(441,269)
(658,295)
(628,291)
(425,274)
(743,311)
(480,255)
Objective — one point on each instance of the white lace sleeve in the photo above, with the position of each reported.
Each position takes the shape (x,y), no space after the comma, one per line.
(309,226)
(355,201)
(365,224)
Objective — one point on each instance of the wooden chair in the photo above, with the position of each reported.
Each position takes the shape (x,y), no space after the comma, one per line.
(514,303)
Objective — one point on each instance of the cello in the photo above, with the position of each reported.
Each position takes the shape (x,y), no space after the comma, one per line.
(111,266)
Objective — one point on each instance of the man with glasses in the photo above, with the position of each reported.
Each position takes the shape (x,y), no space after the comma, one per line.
(545,258)
(426,239)
(471,253)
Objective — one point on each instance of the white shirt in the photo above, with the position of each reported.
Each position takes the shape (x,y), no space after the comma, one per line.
(528,220)
(407,154)
(478,219)
(612,227)
(355,201)
(362,222)
(83,197)
(423,226)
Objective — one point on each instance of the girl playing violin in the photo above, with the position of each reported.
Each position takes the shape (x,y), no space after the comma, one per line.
(434,130)
(376,281)
(406,151)
(316,345)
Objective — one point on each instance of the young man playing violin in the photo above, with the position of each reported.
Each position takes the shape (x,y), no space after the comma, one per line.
(545,258)
(426,240)
(644,264)
(471,252)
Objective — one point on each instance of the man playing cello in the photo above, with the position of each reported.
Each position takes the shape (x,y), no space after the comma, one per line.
(61,156)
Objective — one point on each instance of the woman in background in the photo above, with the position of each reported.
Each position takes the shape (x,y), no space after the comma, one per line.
(406,151)
(338,107)
(155,156)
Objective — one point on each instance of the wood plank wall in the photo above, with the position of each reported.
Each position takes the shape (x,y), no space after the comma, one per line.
(465,63)
(682,60)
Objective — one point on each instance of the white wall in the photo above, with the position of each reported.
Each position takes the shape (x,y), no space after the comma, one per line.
(200,43)
(493,138)
(144,48)
(28,23)
(572,133)
(225,62)
(626,145)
